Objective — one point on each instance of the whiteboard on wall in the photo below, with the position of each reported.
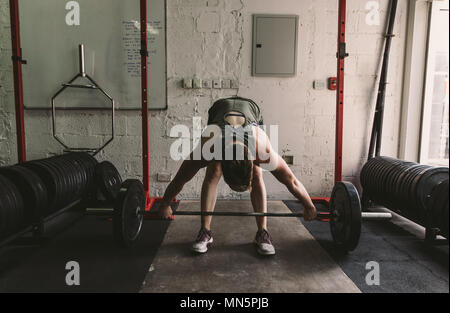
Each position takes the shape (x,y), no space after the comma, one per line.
(51,31)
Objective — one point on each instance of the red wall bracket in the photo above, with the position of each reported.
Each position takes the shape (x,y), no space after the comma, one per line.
(18,84)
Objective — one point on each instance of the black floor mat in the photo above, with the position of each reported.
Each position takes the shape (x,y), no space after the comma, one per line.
(103,266)
(407,263)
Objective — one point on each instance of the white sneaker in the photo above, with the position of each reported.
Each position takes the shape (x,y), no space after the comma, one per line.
(263,243)
(204,238)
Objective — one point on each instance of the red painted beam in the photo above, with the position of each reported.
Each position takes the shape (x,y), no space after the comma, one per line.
(18,84)
(341,54)
(144,97)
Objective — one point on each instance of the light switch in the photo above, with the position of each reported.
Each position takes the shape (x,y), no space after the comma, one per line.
(187,83)
(226,84)
(197,83)
(217,84)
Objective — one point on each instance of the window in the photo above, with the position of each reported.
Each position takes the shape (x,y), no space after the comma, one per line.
(434,148)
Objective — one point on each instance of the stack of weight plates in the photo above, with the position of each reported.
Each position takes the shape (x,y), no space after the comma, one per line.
(401,186)
(11,208)
(67,178)
(33,190)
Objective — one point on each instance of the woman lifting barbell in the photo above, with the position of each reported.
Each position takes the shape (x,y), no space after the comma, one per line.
(235,147)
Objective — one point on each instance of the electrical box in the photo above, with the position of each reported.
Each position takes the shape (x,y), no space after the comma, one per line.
(275,45)
(187,83)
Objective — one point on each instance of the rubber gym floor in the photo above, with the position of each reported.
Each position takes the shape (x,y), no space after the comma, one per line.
(407,263)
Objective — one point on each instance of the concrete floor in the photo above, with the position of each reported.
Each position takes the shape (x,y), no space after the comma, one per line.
(232,263)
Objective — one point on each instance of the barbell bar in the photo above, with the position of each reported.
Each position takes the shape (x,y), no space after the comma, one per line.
(344,216)
(321,216)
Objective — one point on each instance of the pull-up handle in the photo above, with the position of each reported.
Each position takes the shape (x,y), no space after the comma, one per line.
(81,57)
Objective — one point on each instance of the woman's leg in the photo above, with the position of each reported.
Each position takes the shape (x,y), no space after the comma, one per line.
(259,197)
(209,191)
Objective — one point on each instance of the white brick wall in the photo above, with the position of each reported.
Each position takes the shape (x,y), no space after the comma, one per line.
(212,38)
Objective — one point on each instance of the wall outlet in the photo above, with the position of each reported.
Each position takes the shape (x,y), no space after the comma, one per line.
(187,83)
(289,159)
(207,83)
(226,84)
(196,83)
(164,177)
(217,84)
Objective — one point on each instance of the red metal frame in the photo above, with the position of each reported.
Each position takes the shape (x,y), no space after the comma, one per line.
(18,84)
(144,91)
(340,55)
(150,201)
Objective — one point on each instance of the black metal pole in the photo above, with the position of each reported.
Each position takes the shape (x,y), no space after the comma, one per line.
(377,128)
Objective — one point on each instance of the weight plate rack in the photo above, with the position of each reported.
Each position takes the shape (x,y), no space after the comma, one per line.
(409,189)
(32,193)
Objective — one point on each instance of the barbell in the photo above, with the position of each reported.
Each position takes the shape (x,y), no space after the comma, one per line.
(344,215)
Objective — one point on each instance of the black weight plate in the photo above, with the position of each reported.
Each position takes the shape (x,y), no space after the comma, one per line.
(6,207)
(127,220)
(14,205)
(31,188)
(19,219)
(67,190)
(3,208)
(80,177)
(402,192)
(385,188)
(76,179)
(90,163)
(72,191)
(436,205)
(49,178)
(389,181)
(373,178)
(383,179)
(65,196)
(82,171)
(398,183)
(417,171)
(108,180)
(365,173)
(345,221)
(368,182)
(444,229)
(405,190)
(428,181)
(60,183)
(413,189)
(379,170)
(66,180)
(18,206)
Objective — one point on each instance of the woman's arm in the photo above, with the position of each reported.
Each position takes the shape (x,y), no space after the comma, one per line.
(285,176)
(186,172)
(268,158)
